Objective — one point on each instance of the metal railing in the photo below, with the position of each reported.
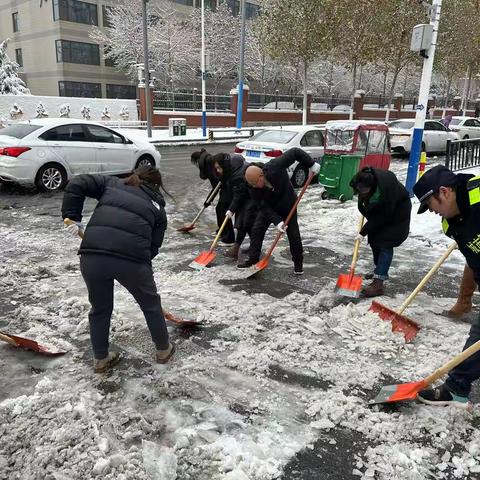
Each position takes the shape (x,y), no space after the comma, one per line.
(189,101)
(462,154)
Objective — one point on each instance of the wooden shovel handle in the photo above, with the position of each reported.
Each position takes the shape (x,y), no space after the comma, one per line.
(209,199)
(452,363)
(356,247)
(289,217)
(7,339)
(426,278)
(220,230)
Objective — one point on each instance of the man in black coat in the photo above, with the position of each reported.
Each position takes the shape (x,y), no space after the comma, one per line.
(204,161)
(386,205)
(122,237)
(271,189)
(231,170)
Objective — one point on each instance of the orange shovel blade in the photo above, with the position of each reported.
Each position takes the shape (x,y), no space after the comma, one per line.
(349,285)
(398,393)
(186,228)
(400,323)
(33,345)
(203,260)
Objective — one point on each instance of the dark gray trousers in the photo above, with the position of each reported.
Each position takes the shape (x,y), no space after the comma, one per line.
(99,272)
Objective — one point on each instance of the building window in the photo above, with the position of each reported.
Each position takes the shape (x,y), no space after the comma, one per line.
(18,57)
(77,52)
(211,4)
(106,22)
(75,11)
(184,2)
(121,91)
(15,22)
(79,89)
(251,10)
(109,62)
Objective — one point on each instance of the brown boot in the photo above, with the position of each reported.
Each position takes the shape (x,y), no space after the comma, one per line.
(232,252)
(465,294)
(375,289)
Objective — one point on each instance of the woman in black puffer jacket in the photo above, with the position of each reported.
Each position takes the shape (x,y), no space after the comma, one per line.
(123,235)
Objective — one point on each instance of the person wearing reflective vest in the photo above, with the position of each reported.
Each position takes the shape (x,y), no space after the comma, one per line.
(456,198)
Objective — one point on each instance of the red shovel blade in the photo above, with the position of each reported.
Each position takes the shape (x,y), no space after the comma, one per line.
(186,228)
(203,260)
(400,323)
(179,321)
(254,269)
(349,285)
(399,393)
(32,345)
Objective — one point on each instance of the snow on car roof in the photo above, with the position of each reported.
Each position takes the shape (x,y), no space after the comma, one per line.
(56,121)
(353,124)
(295,128)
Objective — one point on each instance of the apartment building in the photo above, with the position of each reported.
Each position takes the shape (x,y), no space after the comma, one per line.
(50,41)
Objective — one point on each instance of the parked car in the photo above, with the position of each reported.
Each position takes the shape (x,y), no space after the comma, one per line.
(47,152)
(272,142)
(435,136)
(466,127)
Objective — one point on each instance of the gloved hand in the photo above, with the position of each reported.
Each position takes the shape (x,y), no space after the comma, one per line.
(281,227)
(229,214)
(75,229)
(315,168)
(359,238)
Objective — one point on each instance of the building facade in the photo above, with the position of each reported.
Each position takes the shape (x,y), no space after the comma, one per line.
(51,43)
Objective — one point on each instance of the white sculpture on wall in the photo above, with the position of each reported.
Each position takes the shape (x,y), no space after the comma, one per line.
(106,114)
(85,111)
(15,112)
(41,111)
(65,110)
(124,113)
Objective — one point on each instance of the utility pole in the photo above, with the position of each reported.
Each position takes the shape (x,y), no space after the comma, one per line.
(148,100)
(241,68)
(204,74)
(429,55)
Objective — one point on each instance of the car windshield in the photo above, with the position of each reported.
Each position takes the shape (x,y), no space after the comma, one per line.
(455,121)
(402,124)
(19,130)
(274,136)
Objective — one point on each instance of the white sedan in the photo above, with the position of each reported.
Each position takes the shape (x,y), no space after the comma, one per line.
(47,152)
(275,141)
(466,127)
(435,136)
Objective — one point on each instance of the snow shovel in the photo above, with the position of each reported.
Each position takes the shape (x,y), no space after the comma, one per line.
(403,324)
(349,284)
(409,391)
(263,263)
(168,316)
(28,344)
(191,226)
(204,258)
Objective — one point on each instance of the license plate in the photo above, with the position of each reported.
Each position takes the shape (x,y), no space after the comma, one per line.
(253,153)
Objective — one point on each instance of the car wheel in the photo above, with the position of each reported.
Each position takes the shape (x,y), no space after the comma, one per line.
(51,177)
(145,161)
(299,177)
(466,137)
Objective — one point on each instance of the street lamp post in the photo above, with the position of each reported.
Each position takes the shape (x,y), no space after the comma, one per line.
(241,69)
(417,137)
(204,74)
(148,100)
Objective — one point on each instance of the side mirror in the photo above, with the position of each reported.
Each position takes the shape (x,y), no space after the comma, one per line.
(127,141)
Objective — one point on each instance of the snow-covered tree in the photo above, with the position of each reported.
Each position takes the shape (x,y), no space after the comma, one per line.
(10,82)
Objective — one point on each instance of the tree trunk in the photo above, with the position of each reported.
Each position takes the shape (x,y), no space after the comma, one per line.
(305,98)
(354,82)
(445,104)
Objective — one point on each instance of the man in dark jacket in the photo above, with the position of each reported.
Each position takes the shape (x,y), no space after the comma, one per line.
(231,170)
(271,189)
(386,205)
(204,161)
(123,235)
(456,198)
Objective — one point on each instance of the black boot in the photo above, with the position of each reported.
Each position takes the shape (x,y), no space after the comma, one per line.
(298,267)
(247,263)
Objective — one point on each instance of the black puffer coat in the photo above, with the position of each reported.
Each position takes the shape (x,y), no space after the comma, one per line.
(387,211)
(277,202)
(128,222)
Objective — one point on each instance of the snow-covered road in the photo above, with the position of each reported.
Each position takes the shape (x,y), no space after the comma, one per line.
(274,385)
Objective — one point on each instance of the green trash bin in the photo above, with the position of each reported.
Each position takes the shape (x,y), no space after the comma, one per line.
(335,174)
